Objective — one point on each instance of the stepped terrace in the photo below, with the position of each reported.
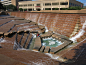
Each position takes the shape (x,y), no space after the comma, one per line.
(42,38)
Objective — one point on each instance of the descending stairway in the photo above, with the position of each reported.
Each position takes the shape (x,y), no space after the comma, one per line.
(24,39)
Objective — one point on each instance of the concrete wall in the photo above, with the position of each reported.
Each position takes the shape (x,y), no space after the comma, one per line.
(64,11)
(59,23)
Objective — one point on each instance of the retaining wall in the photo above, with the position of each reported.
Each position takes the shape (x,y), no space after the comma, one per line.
(59,23)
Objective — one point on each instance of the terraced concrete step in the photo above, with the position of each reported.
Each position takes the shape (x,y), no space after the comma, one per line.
(47,48)
(55,49)
(42,49)
(4,60)
(37,43)
(24,39)
(28,41)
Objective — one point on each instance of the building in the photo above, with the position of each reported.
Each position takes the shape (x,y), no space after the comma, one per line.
(6,2)
(14,2)
(48,4)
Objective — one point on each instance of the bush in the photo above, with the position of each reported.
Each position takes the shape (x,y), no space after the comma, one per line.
(56,8)
(20,9)
(25,9)
(1,5)
(75,8)
(64,8)
(10,7)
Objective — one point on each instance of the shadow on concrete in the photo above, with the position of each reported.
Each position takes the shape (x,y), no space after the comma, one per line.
(0,47)
(79,58)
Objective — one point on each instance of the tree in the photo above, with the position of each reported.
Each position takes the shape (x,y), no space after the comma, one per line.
(4,7)
(25,9)
(10,7)
(1,5)
(14,8)
(56,8)
(64,8)
(20,9)
(75,8)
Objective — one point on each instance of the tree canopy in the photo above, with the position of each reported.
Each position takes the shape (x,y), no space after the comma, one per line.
(20,9)
(8,7)
(72,8)
(1,5)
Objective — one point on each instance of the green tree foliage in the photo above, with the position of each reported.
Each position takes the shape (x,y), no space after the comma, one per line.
(75,8)
(4,7)
(64,9)
(1,5)
(14,8)
(47,9)
(72,8)
(56,8)
(25,9)
(20,9)
(8,7)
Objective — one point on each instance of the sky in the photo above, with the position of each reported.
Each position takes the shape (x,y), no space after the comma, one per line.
(83,1)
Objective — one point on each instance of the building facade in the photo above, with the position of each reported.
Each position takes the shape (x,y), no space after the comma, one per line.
(14,2)
(48,4)
(6,2)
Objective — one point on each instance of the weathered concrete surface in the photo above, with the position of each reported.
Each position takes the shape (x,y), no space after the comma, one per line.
(63,24)
(4,60)
(28,57)
(7,47)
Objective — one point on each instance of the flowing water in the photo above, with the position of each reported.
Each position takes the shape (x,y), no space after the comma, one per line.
(81,32)
(51,42)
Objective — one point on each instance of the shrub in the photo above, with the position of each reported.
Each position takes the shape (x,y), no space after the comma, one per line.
(25,9)
(20,9)
(74,8)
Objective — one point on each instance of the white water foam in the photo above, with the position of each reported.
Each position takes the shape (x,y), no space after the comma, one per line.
(51,42)
(35,51)
(21,49)
(5,41)
(55,57)
(51,55)
(46,30)
(81,32)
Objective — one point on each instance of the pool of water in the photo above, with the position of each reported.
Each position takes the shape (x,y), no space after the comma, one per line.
(51,42)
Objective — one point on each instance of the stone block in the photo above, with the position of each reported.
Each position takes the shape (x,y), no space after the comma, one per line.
(37,43)
(42,48)
(46,49)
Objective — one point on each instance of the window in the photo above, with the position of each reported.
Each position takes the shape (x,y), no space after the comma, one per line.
(38,4)
(69,3)
(64,3)
(20,5)
(5,1)
(29,4)
(47,8)
(73,4)
(25,5)
(47,4)
(55,3)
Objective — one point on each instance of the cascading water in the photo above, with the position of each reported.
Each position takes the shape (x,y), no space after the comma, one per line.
(81,32)
(51,42)
(46,30)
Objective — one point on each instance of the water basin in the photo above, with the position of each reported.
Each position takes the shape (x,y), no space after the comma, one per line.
(51,42)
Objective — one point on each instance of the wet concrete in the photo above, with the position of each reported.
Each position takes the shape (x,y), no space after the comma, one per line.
(35,58)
